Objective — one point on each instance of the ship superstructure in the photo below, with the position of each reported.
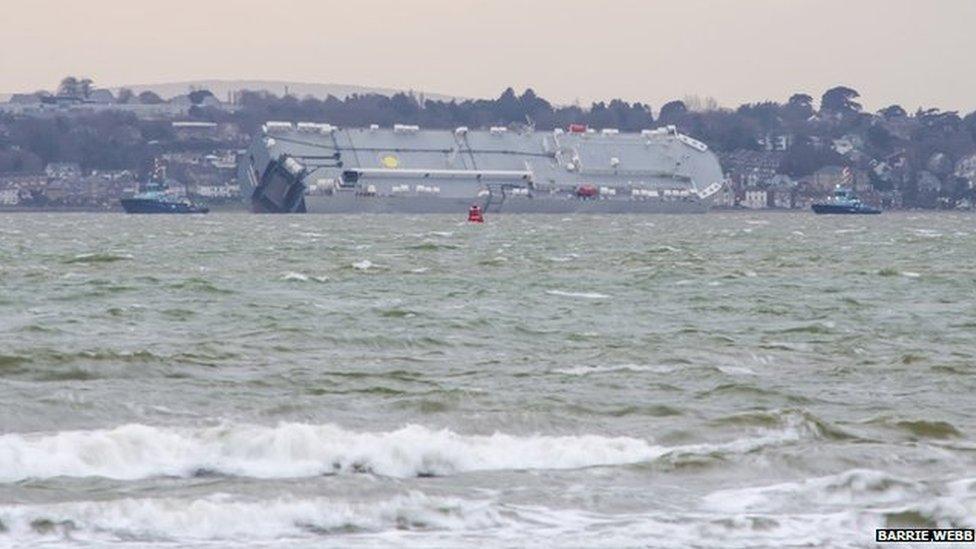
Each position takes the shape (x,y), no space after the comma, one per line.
(315,167)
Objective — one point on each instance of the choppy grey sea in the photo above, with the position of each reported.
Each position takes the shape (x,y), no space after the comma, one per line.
(728,380)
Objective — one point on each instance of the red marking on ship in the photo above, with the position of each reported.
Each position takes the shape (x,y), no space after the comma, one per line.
(587,191)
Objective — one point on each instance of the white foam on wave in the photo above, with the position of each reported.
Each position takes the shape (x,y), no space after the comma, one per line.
(410,519)
(591,370)
(741,446)
(363,265)
(291,450)
(403,519)
(293,276)
(736,370)
(870,496)
(579,295)
(222,517)
(853,487)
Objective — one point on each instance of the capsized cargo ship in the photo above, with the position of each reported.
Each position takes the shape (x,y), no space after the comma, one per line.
(320,168)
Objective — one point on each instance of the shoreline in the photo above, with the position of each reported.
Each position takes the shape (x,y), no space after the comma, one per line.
(242,209)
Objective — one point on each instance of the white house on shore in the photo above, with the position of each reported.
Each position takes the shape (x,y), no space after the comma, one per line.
(9,197)
(756,199)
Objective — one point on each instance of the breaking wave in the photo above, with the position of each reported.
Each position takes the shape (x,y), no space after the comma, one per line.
(397,520)
(635,368)
(920,428)
(98,258)
(858,486)
(578,295)
(291,450)
(879,497)
(222,517)
(293,276)
(363,265)
(447,522)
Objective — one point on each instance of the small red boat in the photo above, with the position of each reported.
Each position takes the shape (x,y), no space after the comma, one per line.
(475,215)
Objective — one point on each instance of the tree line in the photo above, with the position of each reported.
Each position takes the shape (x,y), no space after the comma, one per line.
(922,154)
(525,110)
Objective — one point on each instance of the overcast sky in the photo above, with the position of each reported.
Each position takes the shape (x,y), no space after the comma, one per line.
(913,52)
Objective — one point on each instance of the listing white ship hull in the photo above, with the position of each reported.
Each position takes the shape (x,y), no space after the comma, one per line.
(352,203)
(318,168)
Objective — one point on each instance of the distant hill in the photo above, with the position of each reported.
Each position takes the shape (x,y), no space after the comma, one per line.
(221,88)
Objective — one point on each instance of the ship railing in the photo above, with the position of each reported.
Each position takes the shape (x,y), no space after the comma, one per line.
(692,142)
(663,174)
(497,190)
(710,190)
(443,174)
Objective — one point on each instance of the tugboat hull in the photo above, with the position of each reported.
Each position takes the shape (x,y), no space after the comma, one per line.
(844,209)
(844,202)
(152,206)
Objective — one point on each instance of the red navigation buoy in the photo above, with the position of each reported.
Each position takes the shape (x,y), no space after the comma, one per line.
(474,214)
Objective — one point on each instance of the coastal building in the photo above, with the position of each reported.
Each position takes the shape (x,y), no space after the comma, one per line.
(830,177)
(101,96)
(965,169)
(776,142)
(756,198)
(187,130)
(223,160)
(49,107)
(781,192)
(9,197)
(63,185)
(211,101)
(23,181)
(751,168)
(25,99)
(780,198)
(927,182)
(195,130)
(182,100)
(63,170)
(218,191)
(843,145)
(726,198)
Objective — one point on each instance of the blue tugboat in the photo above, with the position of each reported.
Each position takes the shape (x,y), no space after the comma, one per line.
(843,201)
(155,197)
